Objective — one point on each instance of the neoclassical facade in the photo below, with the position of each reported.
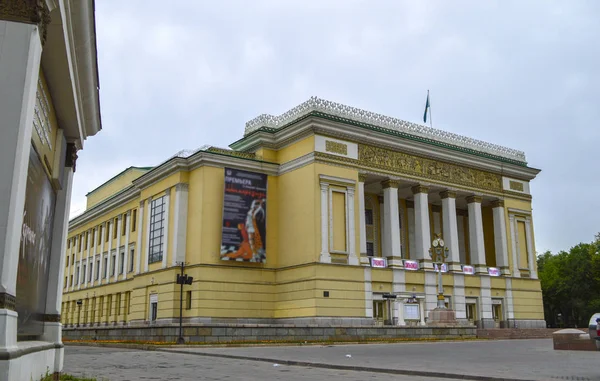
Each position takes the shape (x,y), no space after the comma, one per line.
(49,106)
(322,215)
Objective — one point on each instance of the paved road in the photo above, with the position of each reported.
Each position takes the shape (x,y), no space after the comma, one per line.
(514,359)
(109,364)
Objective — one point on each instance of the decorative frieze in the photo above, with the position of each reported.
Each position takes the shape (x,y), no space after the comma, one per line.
(7,301)
(362,177)
(27,11)
(516,185)
(336,147)
(427,168)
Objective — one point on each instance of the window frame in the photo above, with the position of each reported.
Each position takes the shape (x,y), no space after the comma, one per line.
(156,238)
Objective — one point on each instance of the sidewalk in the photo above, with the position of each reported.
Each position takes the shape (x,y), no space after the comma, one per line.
(481,360)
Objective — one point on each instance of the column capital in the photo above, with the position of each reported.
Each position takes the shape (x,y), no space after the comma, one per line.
(498,204)
(436,208)
(448,194)
(324,186)
(71,156)
(419,189)
(362,177)
(472,199)
(142,203)
(120,217)
(182,187)
(410,204)
(28,12)
(128,213)
(389,184)
(350,191)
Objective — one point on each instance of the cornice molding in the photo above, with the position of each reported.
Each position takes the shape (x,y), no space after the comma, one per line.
(34,12)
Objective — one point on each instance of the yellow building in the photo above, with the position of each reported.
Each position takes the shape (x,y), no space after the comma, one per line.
(315,216)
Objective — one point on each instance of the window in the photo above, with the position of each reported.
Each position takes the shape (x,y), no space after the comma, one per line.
(71,280)
(368,217)
(116,229)
(121,262)
(112,265)
(188,300)
(90,278)
(67,262)
(131,253)
(134,220)
(83,274)
(101,306)
(109,306)
(66,280)
(157,216)
(99,234)
(73,259)
(128,302)
(107,232)
(370,249)
(153,310)
(79,244)
(118,308)
(77,275)
(97,269)
(68,243)
(105,267)
(124,225)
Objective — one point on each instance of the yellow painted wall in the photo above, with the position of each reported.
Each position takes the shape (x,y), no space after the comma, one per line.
(523,260)
(488,236)
(338,204)
(296,150)
(114,185)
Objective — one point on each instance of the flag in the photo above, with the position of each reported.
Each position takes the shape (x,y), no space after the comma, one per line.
(426,108)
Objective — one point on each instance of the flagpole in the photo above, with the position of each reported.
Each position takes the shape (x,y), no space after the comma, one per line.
(430,119)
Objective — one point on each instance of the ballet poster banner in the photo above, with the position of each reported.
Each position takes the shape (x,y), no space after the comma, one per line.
(244,235)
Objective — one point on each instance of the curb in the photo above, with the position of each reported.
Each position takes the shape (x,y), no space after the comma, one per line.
(404,372)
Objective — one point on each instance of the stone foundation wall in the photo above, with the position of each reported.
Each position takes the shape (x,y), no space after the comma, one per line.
(512,333)
(255,333)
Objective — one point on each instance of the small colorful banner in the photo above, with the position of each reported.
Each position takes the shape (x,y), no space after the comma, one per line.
(444,267)
(469,270)
(492,271)
(244,233)
(411,265)
(378,262)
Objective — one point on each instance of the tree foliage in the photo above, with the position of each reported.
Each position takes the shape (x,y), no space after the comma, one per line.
(571,284)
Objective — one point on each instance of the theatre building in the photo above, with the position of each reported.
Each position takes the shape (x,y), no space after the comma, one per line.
(49,106)
(321,215)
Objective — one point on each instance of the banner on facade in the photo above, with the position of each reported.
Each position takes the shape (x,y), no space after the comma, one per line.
(411,265)
(34,252)
(469,270)
(437,269)
(244,234)
(378,262)
(492,271)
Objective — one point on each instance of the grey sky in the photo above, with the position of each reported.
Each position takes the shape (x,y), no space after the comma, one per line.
(524,74)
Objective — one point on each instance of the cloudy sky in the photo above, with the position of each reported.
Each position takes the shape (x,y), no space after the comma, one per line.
(524,74)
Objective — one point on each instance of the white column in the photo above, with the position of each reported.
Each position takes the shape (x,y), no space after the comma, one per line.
(391,222)
(80,280)
(109,253)
(450,229)
(513,239)
(352,257)
(410,206)
(69,264)
(147,238)
(530,252)
(118,247)
(500,239)
(361,215)
(476,243)
(398,287)
(53,329)
(422,311)
(486,302)
(138,244)
(400,308)
(458,293)
(165,243)
(368,293)
(510,311)
(325,256)
(126,256)
(180,223)
(431,290)
(102,232)
(93,264)
(422,230)
(462,247)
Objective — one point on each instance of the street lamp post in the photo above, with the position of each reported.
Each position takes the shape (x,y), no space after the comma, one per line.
(181,280)
(439,253)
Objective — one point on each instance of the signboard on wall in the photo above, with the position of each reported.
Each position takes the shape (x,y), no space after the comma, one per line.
(493,271)
(444,267)
(244,234)
(469,270)
(411,312)
(34,251)
(411,265)
(378,262)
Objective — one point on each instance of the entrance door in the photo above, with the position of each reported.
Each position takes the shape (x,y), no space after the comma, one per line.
(472,313)
(497,314)
(380,311)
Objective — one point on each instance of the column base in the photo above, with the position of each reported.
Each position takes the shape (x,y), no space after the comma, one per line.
(455,267)
(8,330)
(480,269)
(364,260)
(425,264)
(505,271)
(395,262)
(353,260)
(325,258)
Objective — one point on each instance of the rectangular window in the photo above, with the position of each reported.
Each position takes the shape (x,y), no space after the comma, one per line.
(77,276)
(105,267)
(121,262)
(79,243)
(91,272)
(116,229)
(109,306)
(368,217)
(128,295)
(83,275)
(118,308)
(101,306)
(188,300)
(112,265)
(71,280)
(97,269)
(68,243)
(66,280)
(87,238)
(153,310)
(370,249)
(73,259)
(107,233)
(134,220)
(67,262)
(124,226)
(131,253)
(99,235)
(157,217)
